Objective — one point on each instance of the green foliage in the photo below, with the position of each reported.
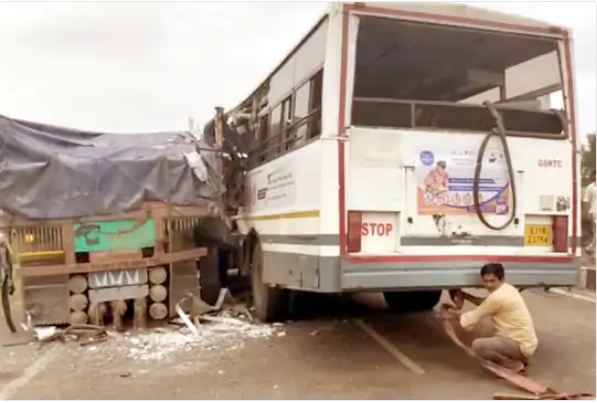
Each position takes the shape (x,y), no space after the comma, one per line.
(588,159)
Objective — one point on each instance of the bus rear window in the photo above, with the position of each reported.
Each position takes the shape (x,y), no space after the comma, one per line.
(419,75)
(454,116)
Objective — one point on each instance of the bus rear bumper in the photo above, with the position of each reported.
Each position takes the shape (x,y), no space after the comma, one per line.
(379,275)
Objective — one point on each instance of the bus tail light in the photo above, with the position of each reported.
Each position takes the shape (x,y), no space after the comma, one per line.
(560,233)
(355,220)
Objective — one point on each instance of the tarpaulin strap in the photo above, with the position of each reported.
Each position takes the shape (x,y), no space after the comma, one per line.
(538,390)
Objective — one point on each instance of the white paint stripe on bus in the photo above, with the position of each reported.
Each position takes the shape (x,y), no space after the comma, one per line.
(389,347)
(572,294)
(29,373)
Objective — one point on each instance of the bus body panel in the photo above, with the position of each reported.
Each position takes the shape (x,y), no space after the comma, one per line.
(374,170)
(284,207)
(379,275)
(543,169)
(387,163)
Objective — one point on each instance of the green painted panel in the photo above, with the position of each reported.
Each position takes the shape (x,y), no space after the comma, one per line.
(113,235)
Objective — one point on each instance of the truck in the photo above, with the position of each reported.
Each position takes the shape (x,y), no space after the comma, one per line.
(105,226)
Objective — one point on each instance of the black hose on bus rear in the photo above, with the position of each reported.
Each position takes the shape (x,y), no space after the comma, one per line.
(499,131)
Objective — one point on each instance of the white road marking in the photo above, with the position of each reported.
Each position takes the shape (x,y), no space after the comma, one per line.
(572,295)
(39,365)
(389,347)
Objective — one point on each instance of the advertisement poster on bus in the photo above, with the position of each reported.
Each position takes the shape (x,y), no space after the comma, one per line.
(445,175)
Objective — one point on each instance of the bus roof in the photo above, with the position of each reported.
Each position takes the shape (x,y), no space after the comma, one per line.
(464,11)
(285,59)
(420,10)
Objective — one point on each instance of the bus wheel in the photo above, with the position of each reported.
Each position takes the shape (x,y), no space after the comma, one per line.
(405,301)
(269,302)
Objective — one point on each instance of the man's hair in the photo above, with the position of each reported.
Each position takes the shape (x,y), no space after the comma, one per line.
(493,268)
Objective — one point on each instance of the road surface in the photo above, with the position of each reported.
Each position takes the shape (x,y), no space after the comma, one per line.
(330,351)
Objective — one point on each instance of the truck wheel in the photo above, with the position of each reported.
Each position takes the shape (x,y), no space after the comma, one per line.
(210,277)
(405,301)
(269,302)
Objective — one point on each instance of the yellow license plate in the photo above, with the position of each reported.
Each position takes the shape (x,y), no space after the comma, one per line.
(538,235)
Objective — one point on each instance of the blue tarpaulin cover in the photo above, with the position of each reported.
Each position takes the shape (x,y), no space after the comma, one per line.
(50,172)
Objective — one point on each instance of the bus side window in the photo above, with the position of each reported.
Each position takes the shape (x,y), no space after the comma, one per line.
(315,105)
(301,111)
(261,139)
(270,146)
(285,138)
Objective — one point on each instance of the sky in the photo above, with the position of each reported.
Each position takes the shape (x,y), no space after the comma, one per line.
(138,67)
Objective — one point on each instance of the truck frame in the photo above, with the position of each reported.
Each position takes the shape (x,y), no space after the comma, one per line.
(75,270)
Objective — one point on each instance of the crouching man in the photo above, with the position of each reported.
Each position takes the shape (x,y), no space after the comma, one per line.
(514,340)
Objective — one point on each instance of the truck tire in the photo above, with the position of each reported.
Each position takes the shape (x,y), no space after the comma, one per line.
(270,303)
(210,276)
(408,301)
(213,231)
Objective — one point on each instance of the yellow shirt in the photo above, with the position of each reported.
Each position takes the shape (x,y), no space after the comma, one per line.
(509,315)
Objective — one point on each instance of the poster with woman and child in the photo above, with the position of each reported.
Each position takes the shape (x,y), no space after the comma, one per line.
(445,182)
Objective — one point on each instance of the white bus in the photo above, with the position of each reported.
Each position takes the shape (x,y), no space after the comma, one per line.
(399,147)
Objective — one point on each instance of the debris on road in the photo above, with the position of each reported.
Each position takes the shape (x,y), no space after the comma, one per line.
(154,346)
(320,329)
(17,342)
(184,317)
(225,328)
(198,309)
(45,333)
(220,300)
(220,333)
(222,319)
(84,334)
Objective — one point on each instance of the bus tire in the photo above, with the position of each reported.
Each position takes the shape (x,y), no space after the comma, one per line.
(269,302)
(408,301)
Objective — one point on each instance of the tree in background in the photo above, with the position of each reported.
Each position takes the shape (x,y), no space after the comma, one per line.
(588,159)
(587,166)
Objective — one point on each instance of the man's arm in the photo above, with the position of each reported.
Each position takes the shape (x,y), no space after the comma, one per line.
(471,298)
(449,313)
(486,308)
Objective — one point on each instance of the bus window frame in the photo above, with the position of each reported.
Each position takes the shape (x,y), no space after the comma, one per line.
(564,114)
(285,139)
(563,135)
